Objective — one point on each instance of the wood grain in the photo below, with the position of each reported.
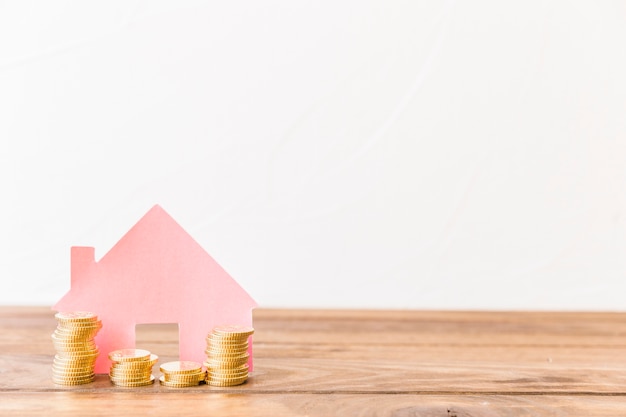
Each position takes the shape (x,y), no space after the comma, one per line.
(392,363)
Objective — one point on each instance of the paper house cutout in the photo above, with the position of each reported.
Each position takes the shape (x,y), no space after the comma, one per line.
(157,273)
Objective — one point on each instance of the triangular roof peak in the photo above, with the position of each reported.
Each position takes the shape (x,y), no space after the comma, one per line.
(155,225)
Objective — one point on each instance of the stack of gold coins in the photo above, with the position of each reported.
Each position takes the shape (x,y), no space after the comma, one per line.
(227,355)
(132,367)
(76,350)
(181,374)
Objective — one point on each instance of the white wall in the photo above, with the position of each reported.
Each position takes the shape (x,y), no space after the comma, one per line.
(328,154)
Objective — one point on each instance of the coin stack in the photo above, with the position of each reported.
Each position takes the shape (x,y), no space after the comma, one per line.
(76,350)
(227,355)
(132,367)
(181,374)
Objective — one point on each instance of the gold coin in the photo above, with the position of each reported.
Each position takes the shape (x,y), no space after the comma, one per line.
(65,369)
(73,342)
(232,370)
(226,337)
(78,325)
(170,384)
(63,335)
(177,385)
(218,345)
(229,353)
(73,375)
(71,348)
(225,362)
(73,365)
(86,332)
(227,342)
(185,383)
(123,374)
(143,373)
(219,377)
(129,355)
(130,371)
(73,372)
(134,384)
(227,357)
(75,332)
(231,340)
(228,383)
(85,357)
(72,382)
(200,376)
(120,380)
(74,352)
(227,372)
(213,363)
(132,366)
(234,380)
(220,367)
(85,377)
(75,316)
(137,364)
(117,375)
(78,354)
(74,359)
(233,331)
(232,353)
(181,367)
(58,368)
(75,338)
(209,364)
(241,367)
(70,365)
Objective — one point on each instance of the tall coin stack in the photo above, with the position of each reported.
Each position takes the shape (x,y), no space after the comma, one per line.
(181,374)
(132,367)
(227,355)
(76,350)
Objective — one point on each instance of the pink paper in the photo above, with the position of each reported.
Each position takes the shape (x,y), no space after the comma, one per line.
(157,273)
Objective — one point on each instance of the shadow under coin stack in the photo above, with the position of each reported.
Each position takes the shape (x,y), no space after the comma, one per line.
(227,355)
(132,367)
(76,350)
(181,374)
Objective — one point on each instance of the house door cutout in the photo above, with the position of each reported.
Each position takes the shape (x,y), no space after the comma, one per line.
(160,339)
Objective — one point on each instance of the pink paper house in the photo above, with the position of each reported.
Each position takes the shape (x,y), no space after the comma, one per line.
(157,273)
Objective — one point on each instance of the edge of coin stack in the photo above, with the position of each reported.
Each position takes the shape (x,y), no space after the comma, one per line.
(132,367)
(76,350)
(180,374)
(227,355)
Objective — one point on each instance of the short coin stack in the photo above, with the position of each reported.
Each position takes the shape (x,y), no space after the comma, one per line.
(227,355)
(76,350)
(132,367)
(181,374)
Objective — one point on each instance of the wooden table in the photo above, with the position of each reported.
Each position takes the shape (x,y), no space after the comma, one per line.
(324,363)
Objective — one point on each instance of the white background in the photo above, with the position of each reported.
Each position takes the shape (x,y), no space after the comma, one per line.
(376,154)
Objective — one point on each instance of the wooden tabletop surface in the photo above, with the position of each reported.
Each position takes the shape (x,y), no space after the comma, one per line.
(346,362)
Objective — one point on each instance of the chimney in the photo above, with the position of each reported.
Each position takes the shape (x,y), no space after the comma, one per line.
(82,258)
